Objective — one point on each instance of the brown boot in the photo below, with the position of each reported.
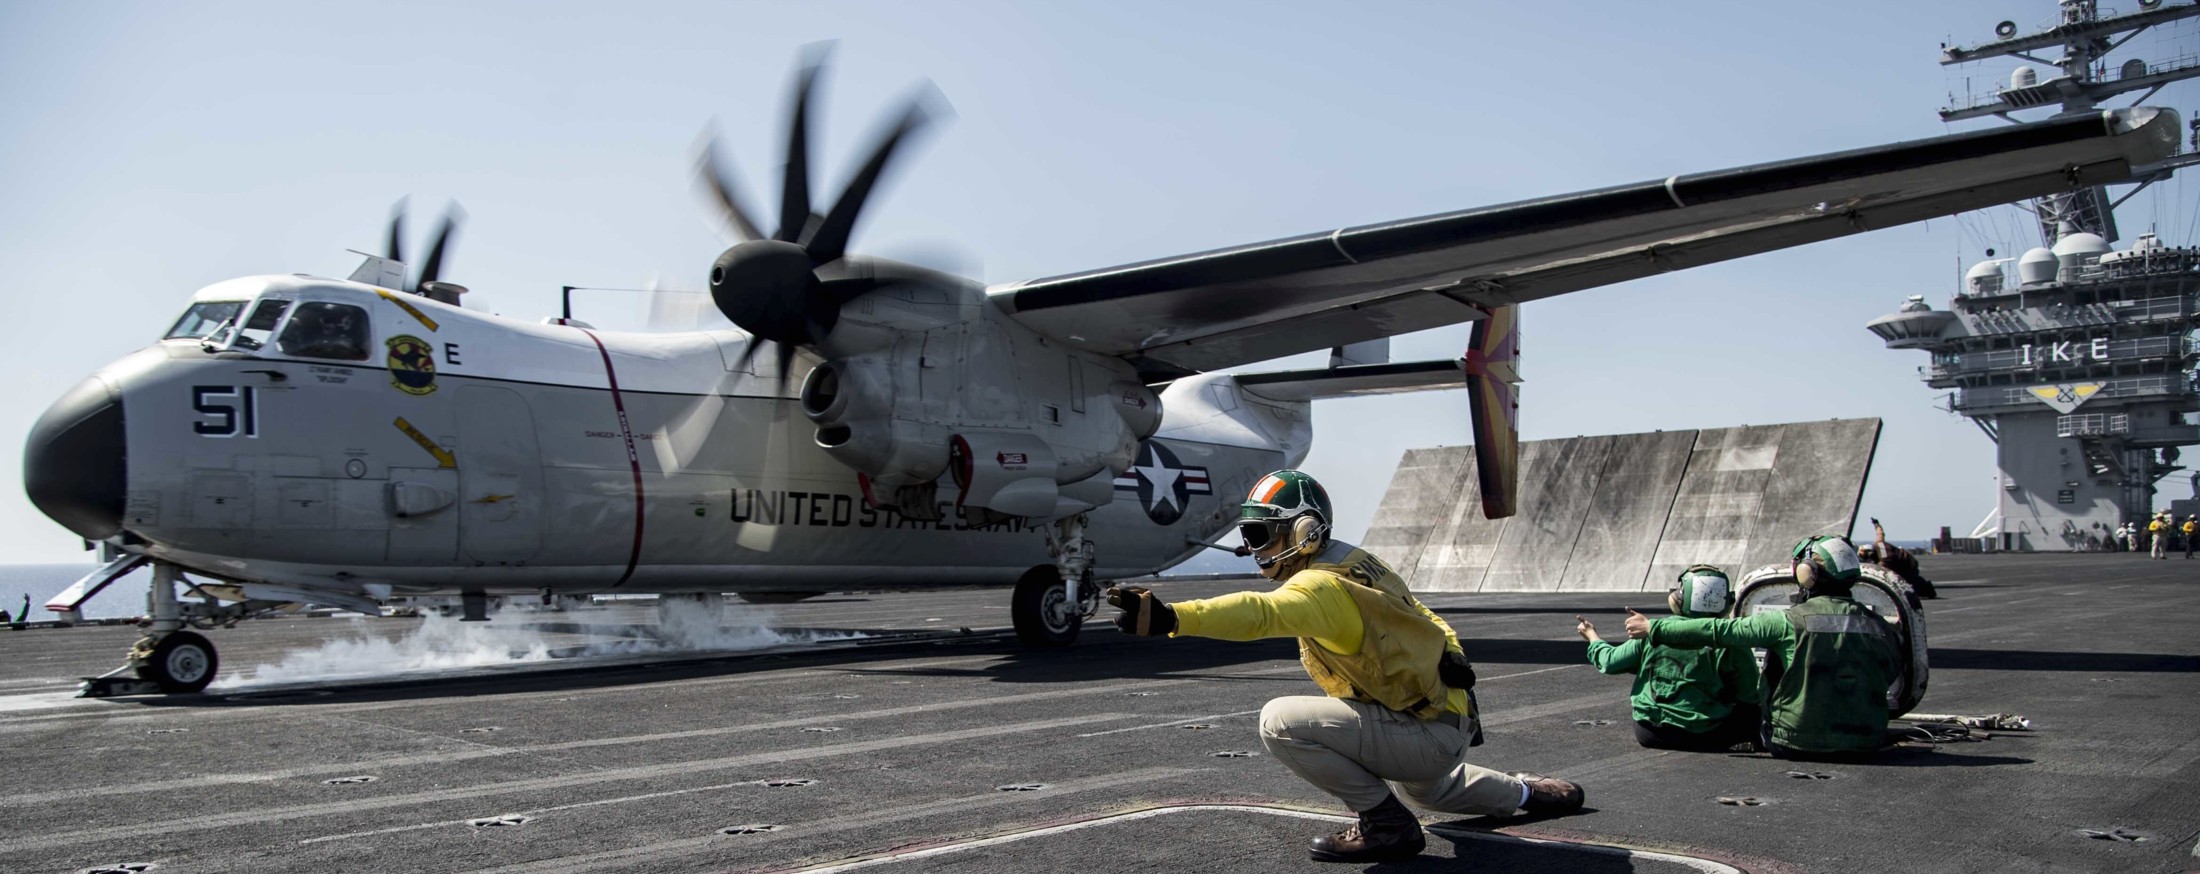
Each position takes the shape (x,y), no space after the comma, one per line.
(1387,833)
(1549,795)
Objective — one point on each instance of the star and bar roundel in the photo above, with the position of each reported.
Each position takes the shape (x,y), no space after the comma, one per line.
(1164,485)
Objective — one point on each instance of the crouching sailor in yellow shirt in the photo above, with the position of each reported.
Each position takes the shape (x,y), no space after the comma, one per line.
(1396,710)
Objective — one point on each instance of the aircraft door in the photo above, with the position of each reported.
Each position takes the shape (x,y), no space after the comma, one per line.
(500,476)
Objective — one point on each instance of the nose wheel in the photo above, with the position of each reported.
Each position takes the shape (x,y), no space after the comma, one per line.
(180,661)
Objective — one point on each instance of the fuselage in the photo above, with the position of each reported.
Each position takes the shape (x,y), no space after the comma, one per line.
(370,441)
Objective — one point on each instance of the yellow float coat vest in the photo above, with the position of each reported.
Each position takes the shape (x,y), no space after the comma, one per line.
(1399,647)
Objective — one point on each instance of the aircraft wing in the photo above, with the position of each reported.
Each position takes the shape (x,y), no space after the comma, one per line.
(1251,303)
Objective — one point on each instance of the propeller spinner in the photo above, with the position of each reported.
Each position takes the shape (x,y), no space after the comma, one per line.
(771,286)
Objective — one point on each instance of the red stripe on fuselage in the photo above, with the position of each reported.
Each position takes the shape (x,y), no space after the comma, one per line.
(633,458)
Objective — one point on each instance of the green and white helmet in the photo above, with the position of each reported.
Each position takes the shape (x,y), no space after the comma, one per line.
(1830,556)
(1702,590)
(1286,494)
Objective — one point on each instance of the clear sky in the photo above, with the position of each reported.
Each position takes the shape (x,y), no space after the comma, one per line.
(150,149)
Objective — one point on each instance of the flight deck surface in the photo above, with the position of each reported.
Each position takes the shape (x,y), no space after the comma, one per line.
(926,748)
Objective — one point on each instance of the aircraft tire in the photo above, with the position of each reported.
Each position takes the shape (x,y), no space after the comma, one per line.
(182,662)
(1036,608)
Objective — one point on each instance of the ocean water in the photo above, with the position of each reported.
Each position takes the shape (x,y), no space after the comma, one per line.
(123,599)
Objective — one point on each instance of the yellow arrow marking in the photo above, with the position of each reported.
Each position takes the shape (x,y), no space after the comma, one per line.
(409,309)
(443,457)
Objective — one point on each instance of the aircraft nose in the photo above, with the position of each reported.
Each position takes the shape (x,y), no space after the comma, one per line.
(73,463)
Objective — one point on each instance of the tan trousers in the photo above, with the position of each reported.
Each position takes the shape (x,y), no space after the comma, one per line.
(1349,748)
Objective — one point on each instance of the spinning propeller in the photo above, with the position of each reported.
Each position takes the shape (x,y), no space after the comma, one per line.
(788,288)
(393,247)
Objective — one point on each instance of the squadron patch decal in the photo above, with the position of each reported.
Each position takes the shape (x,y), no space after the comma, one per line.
(412,365)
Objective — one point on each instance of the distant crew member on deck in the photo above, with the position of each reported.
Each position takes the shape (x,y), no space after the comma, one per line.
(2191,527)
(1397,710)
(1898,560)
(1828,660)
(1702,700)
(2158,537)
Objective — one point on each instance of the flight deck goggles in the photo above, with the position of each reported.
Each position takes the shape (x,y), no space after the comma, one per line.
(1258,533)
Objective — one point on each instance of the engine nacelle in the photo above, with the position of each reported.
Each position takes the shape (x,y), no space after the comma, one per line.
(922,380)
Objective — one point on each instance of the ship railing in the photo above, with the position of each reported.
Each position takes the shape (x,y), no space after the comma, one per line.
(2076,353)
(1968,400)
(2093,425)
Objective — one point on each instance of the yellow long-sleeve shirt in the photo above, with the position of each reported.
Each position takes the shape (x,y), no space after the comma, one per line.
(1311,604)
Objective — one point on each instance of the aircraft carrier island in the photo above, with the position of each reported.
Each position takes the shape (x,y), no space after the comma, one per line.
(2075,358)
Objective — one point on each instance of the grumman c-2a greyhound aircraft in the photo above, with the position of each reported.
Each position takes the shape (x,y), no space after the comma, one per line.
(299,439)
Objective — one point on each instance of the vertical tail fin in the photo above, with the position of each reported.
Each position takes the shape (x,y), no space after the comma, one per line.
(1493,383)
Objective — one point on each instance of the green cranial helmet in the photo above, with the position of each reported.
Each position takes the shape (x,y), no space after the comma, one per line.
(1286,494)
(1702,590)
(1273,508)
(1830,558)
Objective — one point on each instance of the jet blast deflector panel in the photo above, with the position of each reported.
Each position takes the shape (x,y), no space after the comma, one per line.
(1624,513)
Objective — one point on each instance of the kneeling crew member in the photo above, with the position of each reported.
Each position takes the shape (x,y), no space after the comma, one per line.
(1701,700)
(1397,707)
(1828,661)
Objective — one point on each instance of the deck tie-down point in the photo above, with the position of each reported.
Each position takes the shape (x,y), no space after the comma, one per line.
(501,821)
(2117,834)
(755,829)
(1233,754)
(350,781)
(1740,801)
(1021,787)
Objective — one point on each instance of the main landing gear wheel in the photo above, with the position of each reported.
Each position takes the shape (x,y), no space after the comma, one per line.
(1045,618)
(181,662)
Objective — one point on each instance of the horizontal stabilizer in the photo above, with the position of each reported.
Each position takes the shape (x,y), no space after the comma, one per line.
(1354,380)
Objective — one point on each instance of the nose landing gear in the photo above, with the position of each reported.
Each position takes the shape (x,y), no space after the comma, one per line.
(168,658)
(1052,602)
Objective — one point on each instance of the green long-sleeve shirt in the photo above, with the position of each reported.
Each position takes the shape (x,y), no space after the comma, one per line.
(1688,689)
(1834,660)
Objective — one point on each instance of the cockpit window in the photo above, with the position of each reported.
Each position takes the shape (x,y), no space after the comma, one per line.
(260,325)
(326,330)
(203,317)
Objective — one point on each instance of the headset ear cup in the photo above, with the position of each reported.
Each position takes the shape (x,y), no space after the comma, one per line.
(1304,533)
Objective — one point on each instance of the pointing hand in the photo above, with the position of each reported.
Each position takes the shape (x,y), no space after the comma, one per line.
(1586,629)
(1638,625)
(1143,614)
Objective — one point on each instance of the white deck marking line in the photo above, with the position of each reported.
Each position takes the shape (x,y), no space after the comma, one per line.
(658,771)
(1250,712)
(719,843)
(478,752)
(1167,724)
(536,812)
(1704,865)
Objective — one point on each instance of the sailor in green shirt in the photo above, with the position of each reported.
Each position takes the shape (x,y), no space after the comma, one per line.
(1703,700)
(1395,716)
(1828,660)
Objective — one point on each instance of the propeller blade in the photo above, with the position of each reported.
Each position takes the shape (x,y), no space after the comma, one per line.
(786,362)
(831,240)
(717,181)
(748,351)
(794,186)
(443,235)
(393,248)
